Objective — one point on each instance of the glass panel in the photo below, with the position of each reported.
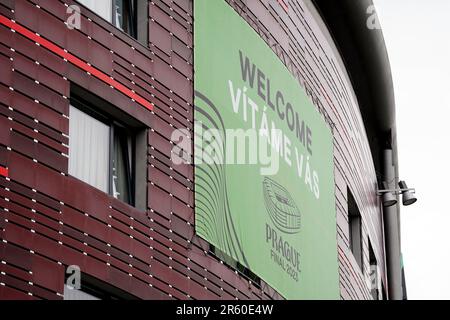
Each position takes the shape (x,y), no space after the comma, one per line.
(124,17)
(121,171)
(89,149)
(102,7)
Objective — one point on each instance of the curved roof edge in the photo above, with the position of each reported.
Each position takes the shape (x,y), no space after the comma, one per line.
(364,53)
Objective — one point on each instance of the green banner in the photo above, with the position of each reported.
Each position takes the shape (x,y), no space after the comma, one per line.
(264,181)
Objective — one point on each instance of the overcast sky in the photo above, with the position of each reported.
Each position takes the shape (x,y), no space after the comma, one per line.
(417,35)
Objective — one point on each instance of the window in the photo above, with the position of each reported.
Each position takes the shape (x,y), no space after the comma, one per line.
(124,15)
(102,150)
(95,289)
(89,149)
(374,276)
(101,7)
(354,224)
(130,16)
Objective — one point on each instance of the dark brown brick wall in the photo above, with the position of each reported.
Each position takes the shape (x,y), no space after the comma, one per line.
(50,220)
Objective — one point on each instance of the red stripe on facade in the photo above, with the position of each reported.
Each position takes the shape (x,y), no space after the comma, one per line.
(4,172)
(284,5)
(75,61)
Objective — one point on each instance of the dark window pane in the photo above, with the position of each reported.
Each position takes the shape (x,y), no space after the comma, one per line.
(121,166)
(125,17)
(355,233)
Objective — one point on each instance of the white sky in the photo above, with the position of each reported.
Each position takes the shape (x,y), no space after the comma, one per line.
(417,35)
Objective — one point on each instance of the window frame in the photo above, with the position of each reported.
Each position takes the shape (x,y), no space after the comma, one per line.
(130,165)
(373,262)
(138,15)
(355,230)
(132,16)
(86,107)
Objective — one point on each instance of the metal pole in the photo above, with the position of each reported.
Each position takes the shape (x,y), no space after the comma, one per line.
(392,234)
